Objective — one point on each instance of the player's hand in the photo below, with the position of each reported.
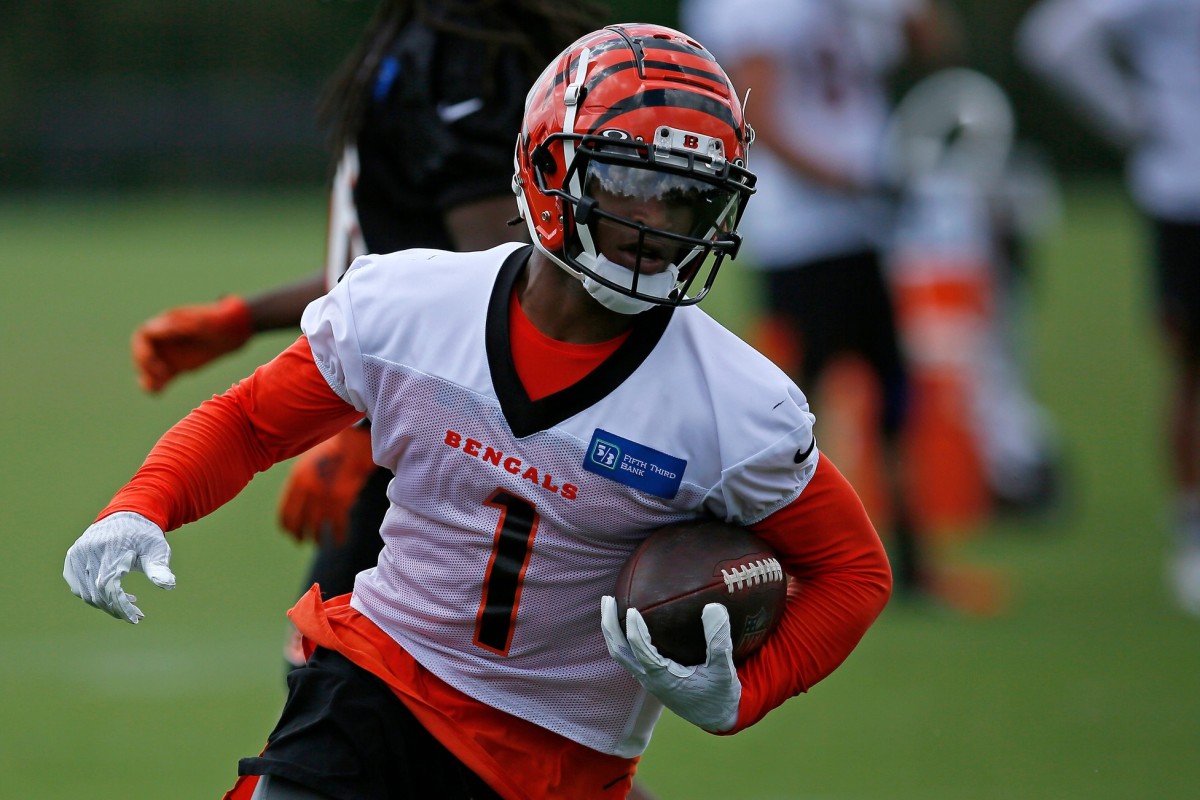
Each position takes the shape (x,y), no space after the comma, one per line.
(188,337)
(707,695)
(323,485)
(107,551)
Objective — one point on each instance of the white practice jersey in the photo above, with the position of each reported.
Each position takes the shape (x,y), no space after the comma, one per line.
(834,58)
(1151,104)
(510,518)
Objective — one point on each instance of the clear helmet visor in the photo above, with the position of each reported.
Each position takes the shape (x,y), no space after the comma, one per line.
(647,220)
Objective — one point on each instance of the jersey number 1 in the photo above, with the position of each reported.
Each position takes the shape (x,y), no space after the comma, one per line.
(511,548)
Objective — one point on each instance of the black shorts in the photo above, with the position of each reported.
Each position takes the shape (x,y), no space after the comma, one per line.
(1177,266)
(843,306)
(345,734)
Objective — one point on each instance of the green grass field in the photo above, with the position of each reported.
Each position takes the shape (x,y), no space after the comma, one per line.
(1087,687)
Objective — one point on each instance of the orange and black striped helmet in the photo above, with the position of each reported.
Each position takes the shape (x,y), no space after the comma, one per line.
(630,115)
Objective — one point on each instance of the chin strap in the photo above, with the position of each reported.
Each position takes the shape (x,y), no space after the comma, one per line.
(659,284)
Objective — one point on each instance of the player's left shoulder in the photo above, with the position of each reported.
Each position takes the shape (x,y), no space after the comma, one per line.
(761,423)
(744,386)
(719,348)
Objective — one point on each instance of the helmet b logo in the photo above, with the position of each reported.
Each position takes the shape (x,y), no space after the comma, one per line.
(691,141)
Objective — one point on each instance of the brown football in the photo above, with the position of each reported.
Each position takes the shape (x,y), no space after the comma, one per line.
(681,568)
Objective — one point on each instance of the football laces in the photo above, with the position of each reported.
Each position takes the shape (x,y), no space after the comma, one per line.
(764,571)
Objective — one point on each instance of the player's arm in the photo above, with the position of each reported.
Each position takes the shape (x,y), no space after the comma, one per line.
(1065,43)
(840,583)
(482,224)
(188,337)
(282,307)
(202,462)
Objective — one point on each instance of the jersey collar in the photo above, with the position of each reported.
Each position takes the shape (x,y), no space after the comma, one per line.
(525,416)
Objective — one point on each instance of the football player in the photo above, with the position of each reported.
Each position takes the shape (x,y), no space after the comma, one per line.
(1133,68)
(542,407)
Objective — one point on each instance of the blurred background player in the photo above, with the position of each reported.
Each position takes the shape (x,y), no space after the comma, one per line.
(972,198)
(422,114)
(817,72)
(1132,67)
(471,661)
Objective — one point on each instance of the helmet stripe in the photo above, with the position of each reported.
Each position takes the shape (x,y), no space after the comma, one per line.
(654,43)
(704,58)
(717,79)
(669,98)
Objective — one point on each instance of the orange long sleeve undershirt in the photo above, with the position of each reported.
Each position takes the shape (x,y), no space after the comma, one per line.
(210,455)
(841,582)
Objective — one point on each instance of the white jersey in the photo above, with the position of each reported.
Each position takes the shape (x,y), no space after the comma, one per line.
(510,518)
(834,57)
(1154,107)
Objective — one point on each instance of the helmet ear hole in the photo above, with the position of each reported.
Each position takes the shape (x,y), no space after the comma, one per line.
(543,161)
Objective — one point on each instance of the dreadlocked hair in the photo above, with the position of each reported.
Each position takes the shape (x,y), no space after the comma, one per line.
(538,30)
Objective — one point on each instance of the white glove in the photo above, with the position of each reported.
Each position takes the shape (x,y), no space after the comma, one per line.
(105,554)
(706,695)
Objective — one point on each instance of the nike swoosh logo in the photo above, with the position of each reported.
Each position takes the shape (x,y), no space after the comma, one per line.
(453,112)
